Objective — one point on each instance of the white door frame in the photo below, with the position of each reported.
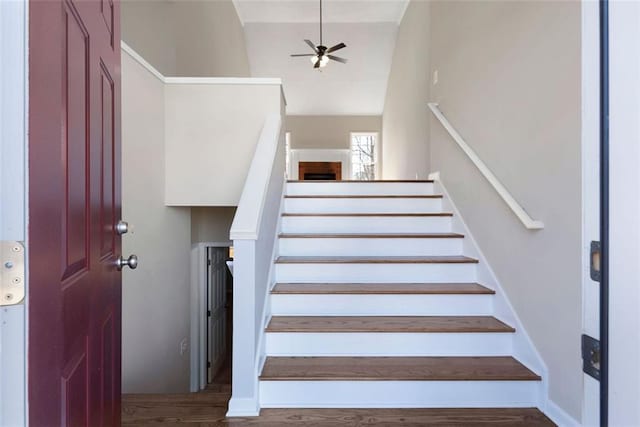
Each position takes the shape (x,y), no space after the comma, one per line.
(13,191)
(624,213)
(590,193)
(198,340)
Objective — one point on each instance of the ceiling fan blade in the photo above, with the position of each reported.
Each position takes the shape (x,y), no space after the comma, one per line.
(310,43)
(303,54)
(337,58)
(317,64)
(336,47)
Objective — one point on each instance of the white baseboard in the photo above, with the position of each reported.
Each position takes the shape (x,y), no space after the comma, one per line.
(559,416)
(244,407)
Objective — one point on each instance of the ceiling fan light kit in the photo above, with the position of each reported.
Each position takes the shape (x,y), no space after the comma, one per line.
(321,56)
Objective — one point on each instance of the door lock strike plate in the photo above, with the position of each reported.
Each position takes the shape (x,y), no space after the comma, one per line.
(594,261)
(591,356)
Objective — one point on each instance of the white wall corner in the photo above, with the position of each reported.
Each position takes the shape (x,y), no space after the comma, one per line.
(559,416)
(243,407)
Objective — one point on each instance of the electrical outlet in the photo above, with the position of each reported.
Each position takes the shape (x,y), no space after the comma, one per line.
(184,346)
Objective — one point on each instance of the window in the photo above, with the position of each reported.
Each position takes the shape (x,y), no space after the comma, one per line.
(363,156)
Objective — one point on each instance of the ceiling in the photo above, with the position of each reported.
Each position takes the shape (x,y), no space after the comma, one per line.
(274,29)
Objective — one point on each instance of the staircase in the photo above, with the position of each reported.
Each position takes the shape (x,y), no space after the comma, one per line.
(375,305)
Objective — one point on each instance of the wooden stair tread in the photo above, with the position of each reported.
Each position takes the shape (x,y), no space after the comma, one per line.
(389,324)
(381,288)
(364,196)
(502,368)
(342,181)
(449,259)
(364,214)
(407,417)
(370,236)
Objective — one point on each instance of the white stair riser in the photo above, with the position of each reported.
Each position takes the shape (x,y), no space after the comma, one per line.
(370,246)
(320,224)
(381,305)
(369,205)
(376,273)
(398,394)
(388,344)
(358,188)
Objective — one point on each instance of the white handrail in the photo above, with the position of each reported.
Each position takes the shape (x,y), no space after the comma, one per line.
(246,221)
(527,221)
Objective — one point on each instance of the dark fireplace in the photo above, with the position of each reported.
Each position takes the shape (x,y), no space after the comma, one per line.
(310,176)
(320,171)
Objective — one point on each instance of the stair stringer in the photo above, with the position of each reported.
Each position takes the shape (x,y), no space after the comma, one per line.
(523,348)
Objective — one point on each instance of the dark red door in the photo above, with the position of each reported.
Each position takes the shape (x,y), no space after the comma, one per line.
(74,202)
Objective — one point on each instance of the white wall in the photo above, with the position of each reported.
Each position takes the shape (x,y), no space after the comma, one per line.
(155,308)
(624,369)
(187,38)
(328,132)
(13,193)
(509,81)
(211,135)
(405,121)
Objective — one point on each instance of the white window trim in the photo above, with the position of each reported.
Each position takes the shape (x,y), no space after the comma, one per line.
(376,152)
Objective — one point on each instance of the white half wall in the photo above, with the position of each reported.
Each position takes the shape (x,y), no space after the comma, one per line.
(211,135)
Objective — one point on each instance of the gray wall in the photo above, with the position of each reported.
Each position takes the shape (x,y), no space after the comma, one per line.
(179,38)
(187,38)
(155,296)
(211,224)
(329,132)
(405,122)
(509,81)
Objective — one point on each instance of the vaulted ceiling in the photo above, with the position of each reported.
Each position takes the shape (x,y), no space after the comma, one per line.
(274,29)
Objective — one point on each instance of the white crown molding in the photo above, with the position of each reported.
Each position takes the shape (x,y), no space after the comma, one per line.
(223,80)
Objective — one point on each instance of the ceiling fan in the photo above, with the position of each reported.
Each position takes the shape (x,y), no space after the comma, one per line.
(321,54)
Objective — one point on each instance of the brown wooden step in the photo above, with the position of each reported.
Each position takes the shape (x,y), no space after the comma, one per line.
(381,288)
(453,259)
(382,214)
(502,368)
(397,417)
(395,324)
(364,196)
(372,236)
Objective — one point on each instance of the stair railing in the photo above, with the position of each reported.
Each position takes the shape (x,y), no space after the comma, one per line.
(517,209)
(254,237)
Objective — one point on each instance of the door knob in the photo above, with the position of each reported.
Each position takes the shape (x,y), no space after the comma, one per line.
(131,262)
(122,227)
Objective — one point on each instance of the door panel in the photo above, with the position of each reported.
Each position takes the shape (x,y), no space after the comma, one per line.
(74,203)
